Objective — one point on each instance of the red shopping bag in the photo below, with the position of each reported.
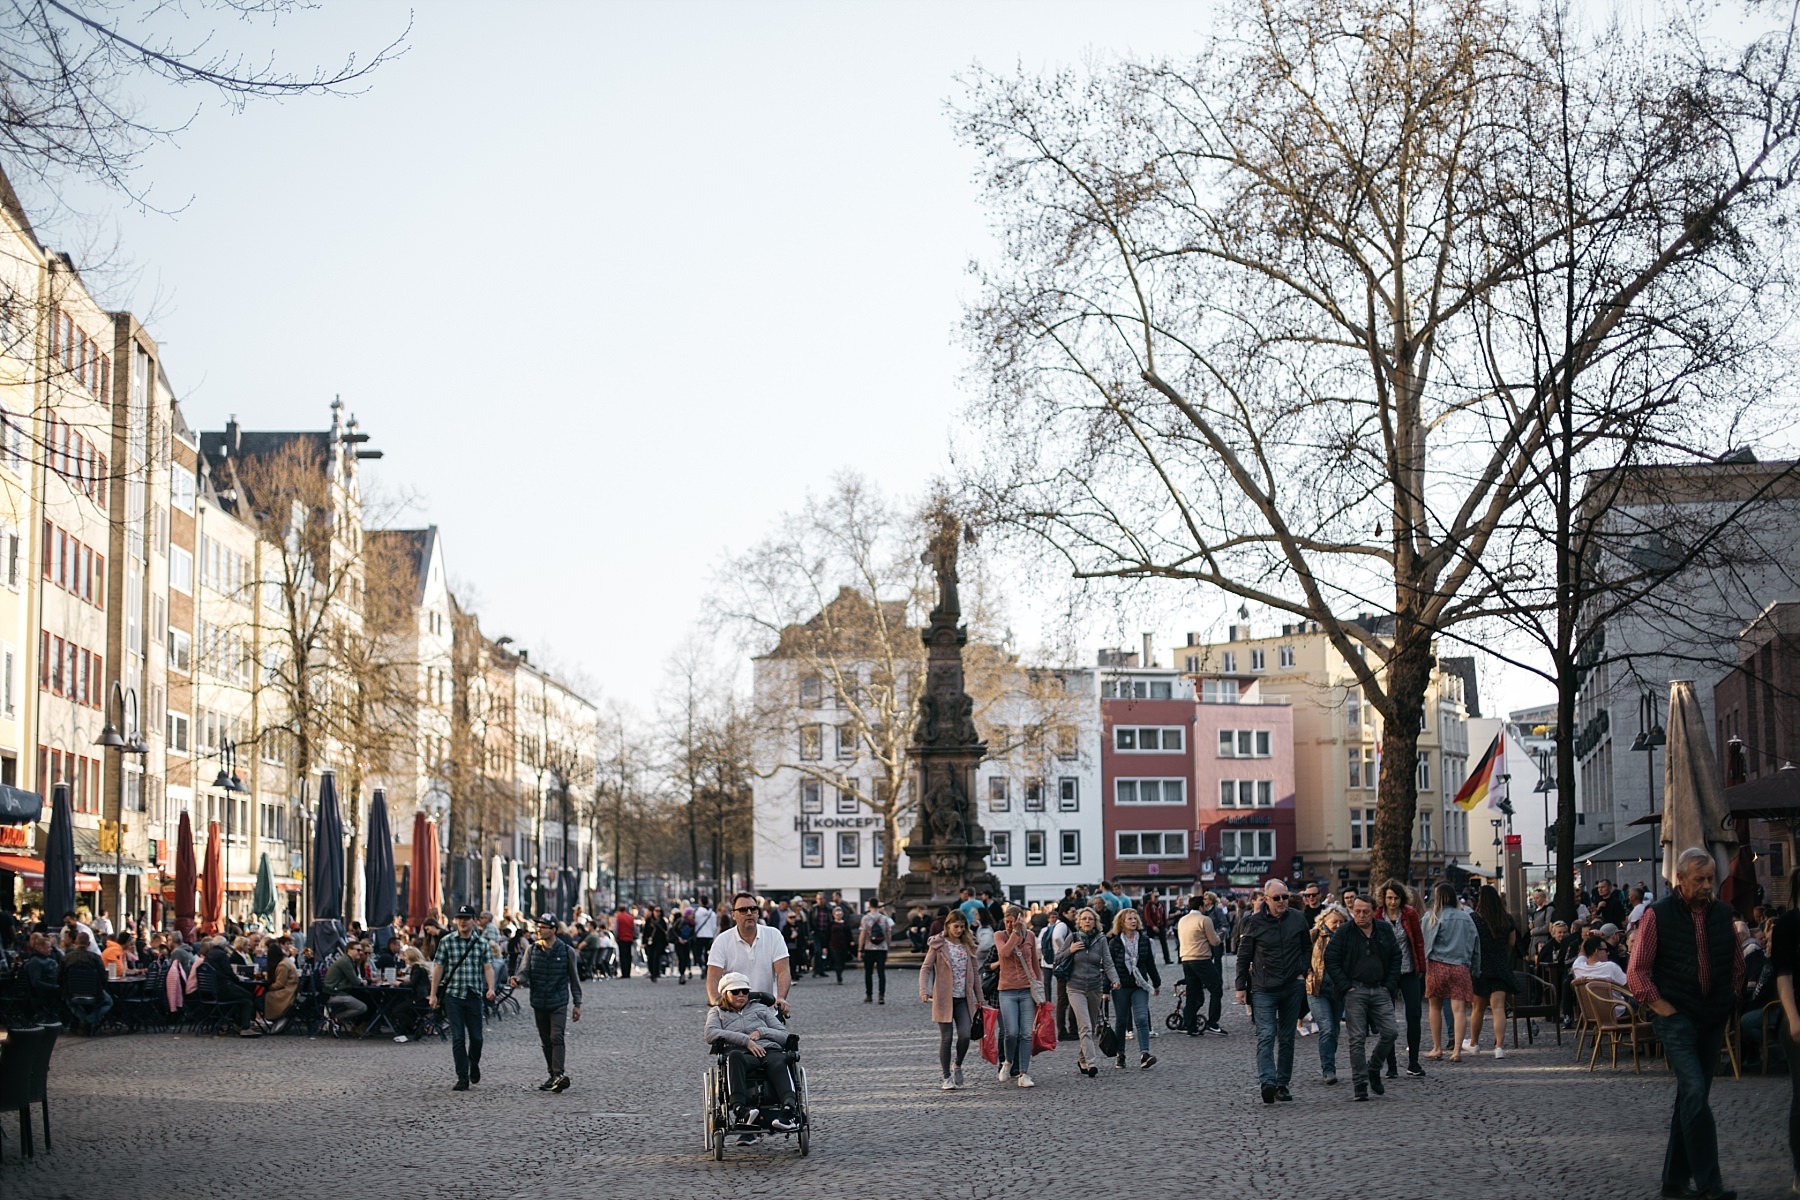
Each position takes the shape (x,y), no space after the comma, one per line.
(1043,1029)
(990,1034)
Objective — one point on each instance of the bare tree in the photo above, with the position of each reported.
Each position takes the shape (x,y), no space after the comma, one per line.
(1242,335)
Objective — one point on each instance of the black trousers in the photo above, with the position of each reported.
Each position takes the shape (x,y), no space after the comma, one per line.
(741,1066)
(684,952)
(1201,976)
(1412,993)
(550,1027)
(874,964)
(625,959)
(1792,1050)
(466,1014)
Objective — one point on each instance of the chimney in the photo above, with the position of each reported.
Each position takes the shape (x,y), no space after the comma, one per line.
(1149,651)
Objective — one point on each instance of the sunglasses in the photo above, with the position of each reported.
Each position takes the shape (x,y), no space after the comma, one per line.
(1278,899)
(738,992)
(746,910)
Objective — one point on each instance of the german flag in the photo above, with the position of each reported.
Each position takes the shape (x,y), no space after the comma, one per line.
(1482,783)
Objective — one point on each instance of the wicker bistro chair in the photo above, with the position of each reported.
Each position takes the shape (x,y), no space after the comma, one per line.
(1602,1001)
(1583,1027)
(1534,999)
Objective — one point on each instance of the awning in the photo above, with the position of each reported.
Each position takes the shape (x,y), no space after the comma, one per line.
(31,873)
(90,858)
(18,806)
(1630,848)
(1772,798)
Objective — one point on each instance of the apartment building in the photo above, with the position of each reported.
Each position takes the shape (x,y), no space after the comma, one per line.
(556,746)
(1040,787)
(1147,717)
(21,278)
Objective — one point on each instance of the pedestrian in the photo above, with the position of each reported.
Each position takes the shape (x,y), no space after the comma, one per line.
(656,941)
(1450,945)
(625,933)
(949,982)
(872,941)
(1403,919)
(706,928)
(1057,932)
(1156,922)
(1085,966)
(683,934)
(1021,985)
(550,969)
(462,976)
(1200,948)
(1362,961)
(837,934)
(1784,960)
(1322,989)
(1688,967)
(752,949)
(1271,980)
(1134,963)
(1496,938)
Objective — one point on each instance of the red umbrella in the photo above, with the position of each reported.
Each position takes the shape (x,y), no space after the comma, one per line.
(422,879)
(184,879)
(212,890)
(434,873)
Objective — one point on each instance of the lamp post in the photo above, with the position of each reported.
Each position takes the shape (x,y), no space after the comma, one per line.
(1546,787)
(228,782)
(131,742)
(1650,735)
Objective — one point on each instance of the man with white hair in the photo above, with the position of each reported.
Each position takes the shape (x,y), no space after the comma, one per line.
(1688,968)
(1274,952)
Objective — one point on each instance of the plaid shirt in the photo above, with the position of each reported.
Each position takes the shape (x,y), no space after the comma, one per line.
(463,960)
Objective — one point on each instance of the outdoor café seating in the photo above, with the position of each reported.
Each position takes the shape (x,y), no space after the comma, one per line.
(24,1080)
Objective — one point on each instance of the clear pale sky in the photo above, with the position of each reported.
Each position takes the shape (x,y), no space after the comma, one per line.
(613,285)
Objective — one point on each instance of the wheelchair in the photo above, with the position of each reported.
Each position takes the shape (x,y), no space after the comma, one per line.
(718,1119)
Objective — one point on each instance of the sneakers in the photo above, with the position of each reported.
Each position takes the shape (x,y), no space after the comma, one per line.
(1415,1070)
(1499,1053)
(1025,1081)
(1146,1062)
(562,1084)
(1268,1093)
(1216,1031)
(1119,1062)
(1469,1044)
(868,999)
(1375,1084)
(746,1139)
(462,1085)
(547,1084)
(1362,1093)
(1199,1032)
(748,1116)
(1001,1077)
(1330,1080)
(784,1124)
(883,1000)
(946,1086)
(956,1076)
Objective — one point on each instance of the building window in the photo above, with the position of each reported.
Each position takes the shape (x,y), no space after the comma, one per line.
(1219,691)
(812,691)
(847,801)
(1034,795)
(846,741)
(1425,831)
(877,848)
(1068,794)
(1247,845)
(812,743)
(812,849)
(1230,662)
(178,733)
(1287,656)
(1162,739)
(812,796)
(1158,844)
(1361,761)
(1246,743)
(1068,744)
(849,844)
(1034,847)
(1256,660)
(999,794)
(1150,791)
(1362,828)
(1071,847)
(1424,770)
(1246,793)
(1001,856)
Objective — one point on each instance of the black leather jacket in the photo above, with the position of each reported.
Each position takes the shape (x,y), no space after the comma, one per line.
(1272,954)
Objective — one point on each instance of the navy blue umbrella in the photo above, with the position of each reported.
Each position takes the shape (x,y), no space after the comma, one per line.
(378,865)
(327,933)
(59,858)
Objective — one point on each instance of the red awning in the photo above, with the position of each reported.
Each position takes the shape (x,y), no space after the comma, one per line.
(31,873)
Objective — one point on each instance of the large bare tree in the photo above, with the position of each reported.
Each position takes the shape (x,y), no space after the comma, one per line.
(1244,333)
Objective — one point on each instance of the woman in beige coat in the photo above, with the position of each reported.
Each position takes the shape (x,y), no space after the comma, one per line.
(950,981)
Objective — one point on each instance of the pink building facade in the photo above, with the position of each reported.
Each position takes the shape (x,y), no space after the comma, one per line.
(1243,783)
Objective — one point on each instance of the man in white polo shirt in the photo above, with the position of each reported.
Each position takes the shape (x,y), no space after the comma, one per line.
(756,950)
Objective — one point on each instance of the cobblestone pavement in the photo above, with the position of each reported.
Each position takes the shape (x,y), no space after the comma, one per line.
(159,1116)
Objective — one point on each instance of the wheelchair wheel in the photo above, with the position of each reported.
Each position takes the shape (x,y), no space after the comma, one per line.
(709,1118)
(805,1115)
(718,1146)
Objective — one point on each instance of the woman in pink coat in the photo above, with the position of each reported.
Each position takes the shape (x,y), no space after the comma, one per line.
(950,981)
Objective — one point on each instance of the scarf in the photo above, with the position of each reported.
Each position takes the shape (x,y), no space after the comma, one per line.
(1130,942)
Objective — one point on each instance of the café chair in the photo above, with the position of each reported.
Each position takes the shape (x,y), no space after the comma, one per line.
(24,1079)
(1602,1000)
(1534,998)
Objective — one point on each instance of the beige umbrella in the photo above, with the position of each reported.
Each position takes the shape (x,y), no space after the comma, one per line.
(1694,811)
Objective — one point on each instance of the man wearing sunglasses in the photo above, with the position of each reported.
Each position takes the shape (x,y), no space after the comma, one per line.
(752,949)
(1274,952)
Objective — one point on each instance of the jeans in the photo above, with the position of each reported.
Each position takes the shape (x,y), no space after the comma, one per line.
(1792,1050)
(1086,1008)
(1693,1054)
(874,965)
(1275,1013)
(1202,977)
(1017,1014)
(465,1013)
(91,1010)
(741,1065)
(550,1026)
(1328,1014)
(1133,1010)
(346,1008)
(1365,1008)
(1412,993)
(956,1030)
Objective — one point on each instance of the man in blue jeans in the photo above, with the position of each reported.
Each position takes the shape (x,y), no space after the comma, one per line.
(462,975)
(1274,951)
(1688,967)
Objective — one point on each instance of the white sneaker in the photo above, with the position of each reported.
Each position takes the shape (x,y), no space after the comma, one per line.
(1469,1044)
(956,1077)
(1025,1081)
(1305,1031)
(1001,1077)
(946,1086)
(1499,1053)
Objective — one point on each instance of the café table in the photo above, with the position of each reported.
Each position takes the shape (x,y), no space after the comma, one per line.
(386,1002)
(133,1004)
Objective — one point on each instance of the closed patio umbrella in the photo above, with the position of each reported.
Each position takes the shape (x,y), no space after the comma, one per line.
(1694,810)
(496,898)
(59,858)
(327,932)
(378,866)
(515,892)
(434,870)
(418,899)
(186,873)
(262,901)
(212,885)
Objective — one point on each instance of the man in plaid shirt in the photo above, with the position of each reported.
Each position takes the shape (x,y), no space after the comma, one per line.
(461,975)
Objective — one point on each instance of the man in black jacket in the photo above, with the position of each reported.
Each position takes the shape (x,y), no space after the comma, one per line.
(1274,952)
(1363,960)
(551,969)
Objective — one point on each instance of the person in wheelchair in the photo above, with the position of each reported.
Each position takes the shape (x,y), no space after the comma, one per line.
(760,1044)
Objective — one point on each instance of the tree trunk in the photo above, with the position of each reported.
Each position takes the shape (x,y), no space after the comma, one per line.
(1397,798)
(1566,683)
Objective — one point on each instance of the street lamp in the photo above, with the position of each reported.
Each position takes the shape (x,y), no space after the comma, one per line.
(1546,787)
(1650,736)
(131,742)
(232,785)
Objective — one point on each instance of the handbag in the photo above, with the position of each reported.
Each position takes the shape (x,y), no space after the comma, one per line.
(1109,1037)
(1043,1030)
(990,1035)
(1036,981)
(978,1022)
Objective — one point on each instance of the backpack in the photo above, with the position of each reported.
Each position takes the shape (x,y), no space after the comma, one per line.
(1047,943)
(878,934)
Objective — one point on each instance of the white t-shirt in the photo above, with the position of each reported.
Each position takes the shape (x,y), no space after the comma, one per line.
(756,961)
(887,933)
(706,922)
(1610,971)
